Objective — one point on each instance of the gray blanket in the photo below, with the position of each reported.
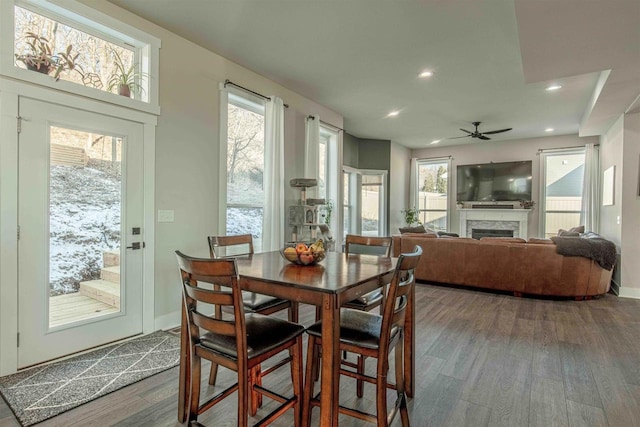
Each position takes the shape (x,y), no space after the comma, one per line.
(598,249)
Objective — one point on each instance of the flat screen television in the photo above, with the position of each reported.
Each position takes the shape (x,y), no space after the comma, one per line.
(494,182)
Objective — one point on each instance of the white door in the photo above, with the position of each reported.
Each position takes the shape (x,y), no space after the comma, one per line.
(80,207)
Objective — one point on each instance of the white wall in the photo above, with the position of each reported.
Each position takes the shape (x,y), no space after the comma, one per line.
(502,151)
(398,185)
(611,146)
(187,147)
(630,267)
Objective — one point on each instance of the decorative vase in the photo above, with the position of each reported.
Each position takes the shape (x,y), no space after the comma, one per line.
(124,90)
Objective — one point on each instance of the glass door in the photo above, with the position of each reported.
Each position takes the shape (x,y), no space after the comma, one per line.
(80,206)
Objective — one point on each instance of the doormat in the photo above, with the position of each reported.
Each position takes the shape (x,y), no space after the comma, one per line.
(46,391)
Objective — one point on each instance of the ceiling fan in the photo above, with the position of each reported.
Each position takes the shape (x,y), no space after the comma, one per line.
(478,134)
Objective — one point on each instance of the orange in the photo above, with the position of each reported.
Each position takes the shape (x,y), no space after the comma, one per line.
(301,247)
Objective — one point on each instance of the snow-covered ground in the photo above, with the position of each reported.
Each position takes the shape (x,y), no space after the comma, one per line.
(84,222)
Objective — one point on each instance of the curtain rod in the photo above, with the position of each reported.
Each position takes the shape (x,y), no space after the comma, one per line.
(434,158)
(268,98)
(542,150)
(325,123)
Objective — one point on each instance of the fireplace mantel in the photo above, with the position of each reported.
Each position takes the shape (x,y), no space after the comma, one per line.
(501,218)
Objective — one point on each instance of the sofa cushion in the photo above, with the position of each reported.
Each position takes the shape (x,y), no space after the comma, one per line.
(538,241)
(503,240)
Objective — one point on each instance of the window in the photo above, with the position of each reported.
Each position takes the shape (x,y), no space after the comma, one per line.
(81,50)
(372,199)
(364,202)
(327,173)
(563,176)
(245,168)
(432,198)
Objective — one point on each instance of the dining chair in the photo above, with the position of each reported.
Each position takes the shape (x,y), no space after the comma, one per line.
(239,344)
(367,245)
(242,246)
(371,335)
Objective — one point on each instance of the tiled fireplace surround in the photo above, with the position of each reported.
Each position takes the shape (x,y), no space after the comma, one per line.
(494,219)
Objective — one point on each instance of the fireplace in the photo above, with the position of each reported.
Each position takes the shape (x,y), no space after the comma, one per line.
(514,221)
(478,233)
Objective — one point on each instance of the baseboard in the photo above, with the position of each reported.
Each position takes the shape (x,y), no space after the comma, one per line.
(629,292)
(167,321)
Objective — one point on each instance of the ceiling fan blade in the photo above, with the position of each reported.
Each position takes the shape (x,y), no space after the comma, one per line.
(464,130)
(456,137)
(486,138)
(496,131)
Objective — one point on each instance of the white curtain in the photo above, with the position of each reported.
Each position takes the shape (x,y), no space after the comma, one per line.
(274,215)
(413,180)
(590,211)
(312,150)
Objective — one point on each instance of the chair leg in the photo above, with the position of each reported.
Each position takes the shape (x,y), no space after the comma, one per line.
(309,381)
(244,390)
(253,395)
(404,413)
(213,373)
(194,402)
(297,380)
(381,392)
(360,383)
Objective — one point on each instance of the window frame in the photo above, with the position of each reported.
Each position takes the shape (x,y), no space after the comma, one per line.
(86,19)
(447,210)
(544,155)
(255,105)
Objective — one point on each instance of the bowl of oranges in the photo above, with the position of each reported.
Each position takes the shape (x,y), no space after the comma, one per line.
(304,254)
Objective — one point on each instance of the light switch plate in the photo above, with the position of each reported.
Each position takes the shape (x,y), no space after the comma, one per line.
(165,216)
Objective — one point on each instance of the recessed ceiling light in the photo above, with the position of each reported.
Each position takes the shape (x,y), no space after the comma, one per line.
(393,113)
(553,87)
(549,129)
(435,141)
(426,73)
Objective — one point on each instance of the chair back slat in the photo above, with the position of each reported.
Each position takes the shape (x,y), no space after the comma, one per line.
(367,245)
(397,297)
(209,323)
(230,246)
(208,296)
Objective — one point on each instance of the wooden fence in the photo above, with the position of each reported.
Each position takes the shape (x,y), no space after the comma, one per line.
(64,155)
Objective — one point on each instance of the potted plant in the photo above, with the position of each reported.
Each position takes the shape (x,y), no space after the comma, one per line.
(41,58)
(126,80)
(411,216)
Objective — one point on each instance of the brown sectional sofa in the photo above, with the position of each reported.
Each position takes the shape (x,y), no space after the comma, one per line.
(505,264)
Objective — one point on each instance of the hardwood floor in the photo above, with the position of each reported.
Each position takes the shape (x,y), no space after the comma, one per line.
(483,359)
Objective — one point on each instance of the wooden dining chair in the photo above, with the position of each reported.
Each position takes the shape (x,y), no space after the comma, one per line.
(370,335)
(242,246)
(239,344)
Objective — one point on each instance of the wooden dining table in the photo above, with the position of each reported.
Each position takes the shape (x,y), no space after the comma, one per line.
(339,278)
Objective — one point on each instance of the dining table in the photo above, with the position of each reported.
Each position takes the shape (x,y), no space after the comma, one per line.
(339,278)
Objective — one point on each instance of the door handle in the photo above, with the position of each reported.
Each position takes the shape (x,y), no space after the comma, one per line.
(136,245)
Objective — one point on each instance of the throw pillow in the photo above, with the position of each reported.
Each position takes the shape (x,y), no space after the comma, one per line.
(566,233)
(417,229)
(445,234)
(578,229)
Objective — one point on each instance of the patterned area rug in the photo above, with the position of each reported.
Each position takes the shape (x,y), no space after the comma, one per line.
(46,391)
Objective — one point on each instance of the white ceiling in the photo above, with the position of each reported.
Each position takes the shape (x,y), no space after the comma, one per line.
(492,59)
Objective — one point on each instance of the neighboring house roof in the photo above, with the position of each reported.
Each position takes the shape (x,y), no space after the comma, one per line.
(570,185)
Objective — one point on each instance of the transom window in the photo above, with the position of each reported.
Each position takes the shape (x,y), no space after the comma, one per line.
(81,50)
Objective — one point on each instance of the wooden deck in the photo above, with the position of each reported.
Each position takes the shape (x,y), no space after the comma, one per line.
(71,308)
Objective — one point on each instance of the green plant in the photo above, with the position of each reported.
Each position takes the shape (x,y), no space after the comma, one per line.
(41,58)
(411,216)
(328,210)
(125,80)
